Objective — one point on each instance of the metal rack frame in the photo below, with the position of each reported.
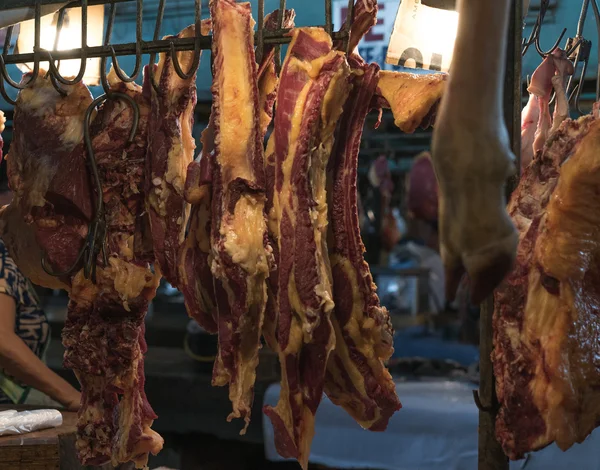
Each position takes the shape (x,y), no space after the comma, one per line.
(95,246)
(491,456)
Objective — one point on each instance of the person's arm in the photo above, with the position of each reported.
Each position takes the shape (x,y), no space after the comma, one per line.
(20,362)
(472,155)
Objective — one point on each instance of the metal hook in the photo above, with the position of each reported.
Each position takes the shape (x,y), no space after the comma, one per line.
(282,9)
(597,18)
(197,46)
(152,62)
(97,230)
(534,37)
(54,70)
(485,409)
(59,25)
(138,43)
(260,31)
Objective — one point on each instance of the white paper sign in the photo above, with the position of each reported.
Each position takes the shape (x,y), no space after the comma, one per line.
(423,37)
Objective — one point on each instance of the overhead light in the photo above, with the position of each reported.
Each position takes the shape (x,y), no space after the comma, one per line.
(69,38)
(424,35)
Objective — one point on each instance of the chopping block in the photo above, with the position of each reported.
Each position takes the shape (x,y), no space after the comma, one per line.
(49,449)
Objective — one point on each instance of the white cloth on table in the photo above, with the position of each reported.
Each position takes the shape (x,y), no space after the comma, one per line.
(435,430)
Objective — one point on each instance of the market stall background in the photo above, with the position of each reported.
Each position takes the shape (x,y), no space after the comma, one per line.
(168,367)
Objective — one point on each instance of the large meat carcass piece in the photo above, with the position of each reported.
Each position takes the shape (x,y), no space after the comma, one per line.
(545,322)
(314,85)
(21,242)
(240,250)
(104,331)
(268,83)
(103,334)
(47,172)
(171,150)
(357,378)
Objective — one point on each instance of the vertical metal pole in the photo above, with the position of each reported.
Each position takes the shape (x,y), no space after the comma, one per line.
(491,455)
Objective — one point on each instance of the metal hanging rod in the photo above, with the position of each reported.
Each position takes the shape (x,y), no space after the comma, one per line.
(93,251)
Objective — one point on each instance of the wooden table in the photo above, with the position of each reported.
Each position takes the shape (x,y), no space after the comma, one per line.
(50,449)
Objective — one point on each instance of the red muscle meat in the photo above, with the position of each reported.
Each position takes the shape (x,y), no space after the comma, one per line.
(171,150)
(356,378)
(313,88)
(545,319)
(240,251)
(103,334)
(104,331)
(268,83)
(47,169)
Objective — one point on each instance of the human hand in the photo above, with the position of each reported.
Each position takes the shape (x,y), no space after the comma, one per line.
(73,401)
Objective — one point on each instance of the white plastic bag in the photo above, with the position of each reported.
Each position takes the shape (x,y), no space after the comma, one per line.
(13,422)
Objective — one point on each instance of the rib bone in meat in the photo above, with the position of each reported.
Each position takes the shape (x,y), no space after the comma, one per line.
(313,88)
(240,252)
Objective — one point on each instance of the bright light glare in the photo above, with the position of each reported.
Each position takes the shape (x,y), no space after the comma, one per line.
(70,38)
(431,31)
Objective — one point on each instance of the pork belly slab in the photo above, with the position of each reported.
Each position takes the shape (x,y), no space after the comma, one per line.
(240,252)
(357,378)
(171,149)
(545,322)
(313,88)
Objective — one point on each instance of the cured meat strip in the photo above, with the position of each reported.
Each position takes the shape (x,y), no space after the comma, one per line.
(313,88)
(104,332)
(240,252)
(268,82)
(267,75)
(411,97)
(196,279)
(171,150)
(365,17)
(540,356)
(356,378)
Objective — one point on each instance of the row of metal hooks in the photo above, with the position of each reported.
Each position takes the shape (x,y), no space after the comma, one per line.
(577,48)
(95,246)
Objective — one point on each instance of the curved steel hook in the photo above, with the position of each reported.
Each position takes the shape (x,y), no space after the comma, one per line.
(54,69)
(534,37)
(152,62)
(138,43)
(197,46)
(95,243)
(553,48)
